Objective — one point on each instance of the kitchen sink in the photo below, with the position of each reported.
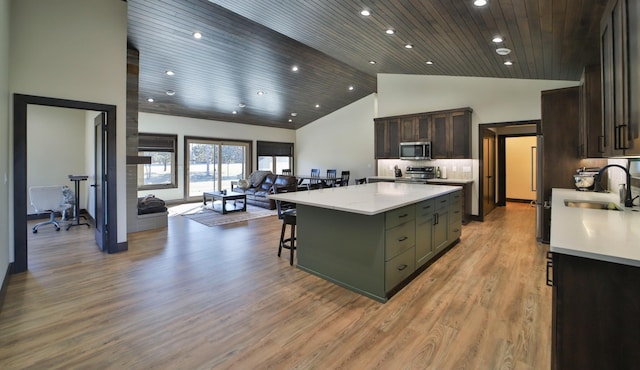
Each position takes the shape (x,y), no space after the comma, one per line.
(592,204)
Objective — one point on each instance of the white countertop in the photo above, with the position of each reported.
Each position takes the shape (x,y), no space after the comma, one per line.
(366,199)
(612,236)
(391,178)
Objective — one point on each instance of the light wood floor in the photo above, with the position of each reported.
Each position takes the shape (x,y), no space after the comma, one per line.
(194,297)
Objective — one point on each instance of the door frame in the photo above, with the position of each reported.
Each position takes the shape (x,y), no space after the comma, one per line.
(500,160)
(20,103)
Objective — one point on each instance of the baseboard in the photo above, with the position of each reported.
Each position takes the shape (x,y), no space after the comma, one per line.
(519,200)
(5,283)
(476,218)
(121,247)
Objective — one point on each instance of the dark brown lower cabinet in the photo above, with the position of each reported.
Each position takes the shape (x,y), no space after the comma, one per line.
(596,314)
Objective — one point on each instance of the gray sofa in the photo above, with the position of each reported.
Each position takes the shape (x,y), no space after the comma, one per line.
(259,185)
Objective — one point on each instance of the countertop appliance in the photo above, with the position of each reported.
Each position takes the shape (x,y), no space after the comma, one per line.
(584,178)
(415,150)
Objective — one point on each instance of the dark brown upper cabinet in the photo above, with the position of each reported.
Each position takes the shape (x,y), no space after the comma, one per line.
(591,140)
(451,134)
(620,78)
(415,128)
(387,138)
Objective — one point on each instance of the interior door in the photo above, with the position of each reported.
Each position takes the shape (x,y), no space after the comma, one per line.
(489,169)
(99,185)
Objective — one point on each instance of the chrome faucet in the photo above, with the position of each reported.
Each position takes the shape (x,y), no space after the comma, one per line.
(628,200)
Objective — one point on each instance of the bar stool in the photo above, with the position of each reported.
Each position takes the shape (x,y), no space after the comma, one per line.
(287,213)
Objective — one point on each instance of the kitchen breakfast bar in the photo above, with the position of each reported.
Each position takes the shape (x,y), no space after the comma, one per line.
(374,238)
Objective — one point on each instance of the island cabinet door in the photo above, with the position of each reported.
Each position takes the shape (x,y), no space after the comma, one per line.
(441,223)
(455,216)
(424,232)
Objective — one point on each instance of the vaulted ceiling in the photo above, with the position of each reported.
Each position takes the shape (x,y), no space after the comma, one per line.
(252,46)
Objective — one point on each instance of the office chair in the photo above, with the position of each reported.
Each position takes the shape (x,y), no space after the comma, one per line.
(48,199)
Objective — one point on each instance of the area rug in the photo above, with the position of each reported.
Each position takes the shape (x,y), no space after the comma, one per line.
(209,217)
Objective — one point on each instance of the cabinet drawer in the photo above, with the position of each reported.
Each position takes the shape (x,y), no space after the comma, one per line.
(424,210)
(399,268)
(398,216)
(455,199)
(441,202)
(400,238)
(455,229)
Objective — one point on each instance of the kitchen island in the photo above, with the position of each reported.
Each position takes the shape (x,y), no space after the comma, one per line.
(596,281)
(374,238)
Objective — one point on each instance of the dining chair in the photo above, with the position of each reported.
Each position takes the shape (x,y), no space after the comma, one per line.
(344,178)
(287,213)
(331,177)
(315,172)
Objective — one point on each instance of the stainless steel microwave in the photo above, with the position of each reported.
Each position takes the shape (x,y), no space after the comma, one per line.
(415,150)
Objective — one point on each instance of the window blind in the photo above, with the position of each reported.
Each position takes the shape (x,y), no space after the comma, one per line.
(270,148)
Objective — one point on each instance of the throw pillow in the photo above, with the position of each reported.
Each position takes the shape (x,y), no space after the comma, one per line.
(244,184)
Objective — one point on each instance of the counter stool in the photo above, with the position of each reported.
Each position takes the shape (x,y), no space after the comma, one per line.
(288,218)
(287,213)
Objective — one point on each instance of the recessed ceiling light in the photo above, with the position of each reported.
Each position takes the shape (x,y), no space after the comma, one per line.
(350,88)
(365,12)
(242,105)
(170,92)
(508,63)
(429,62)
(290,120)
(390,31)
(497,39)
(197,35)
(503,51)
(150,100)
(294,68)
(260,92)
(170,73)
(317,105)
(293,114)
(480,2)
(234,112)
(408,46)
(372,62)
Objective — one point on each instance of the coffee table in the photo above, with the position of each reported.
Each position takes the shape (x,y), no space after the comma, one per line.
(224,198)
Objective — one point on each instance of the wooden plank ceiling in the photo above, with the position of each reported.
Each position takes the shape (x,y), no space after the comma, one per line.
(252,45)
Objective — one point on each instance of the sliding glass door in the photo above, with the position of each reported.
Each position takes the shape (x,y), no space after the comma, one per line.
(211,165)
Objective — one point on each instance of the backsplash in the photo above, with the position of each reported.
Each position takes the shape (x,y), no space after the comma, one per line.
(453,168)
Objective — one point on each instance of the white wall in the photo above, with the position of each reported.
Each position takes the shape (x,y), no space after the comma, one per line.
(5,145)
(342,140)
(55,148)
(493,100)
(74,49)
(183,126)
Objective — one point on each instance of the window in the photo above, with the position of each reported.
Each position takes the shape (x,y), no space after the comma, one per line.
(161,172)
(274,157)
(212,164)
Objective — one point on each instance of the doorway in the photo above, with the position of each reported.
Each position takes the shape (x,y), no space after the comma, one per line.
(492,157)
(20,121)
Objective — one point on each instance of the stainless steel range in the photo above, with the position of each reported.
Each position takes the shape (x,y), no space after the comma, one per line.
(418,174)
